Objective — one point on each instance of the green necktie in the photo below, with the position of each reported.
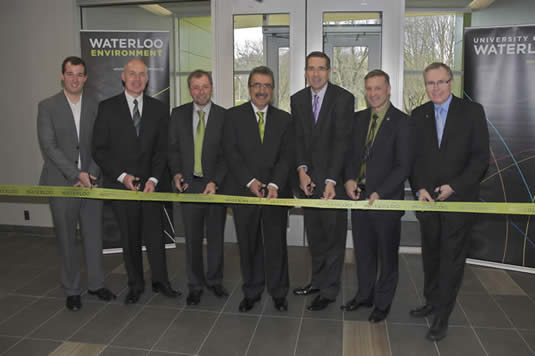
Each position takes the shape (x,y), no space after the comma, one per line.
(367,148)
(199,138)
(261,125)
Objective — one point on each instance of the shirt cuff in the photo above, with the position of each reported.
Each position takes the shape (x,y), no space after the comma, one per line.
(154,180)
(121,177)
(250,182)
(303,166)
(273,185)
(330,180)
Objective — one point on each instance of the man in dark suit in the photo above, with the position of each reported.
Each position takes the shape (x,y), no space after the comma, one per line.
(258,151)
(323,115)
(452,154)
(130,145)
(376,167)
(197,166)
(65,127)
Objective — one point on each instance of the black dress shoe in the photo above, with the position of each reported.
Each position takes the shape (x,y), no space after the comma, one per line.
(73,303)
(247,304)
(281,304)
(103,294)
(438,329)
(219,290)
(422,311)
(353,304)
(319,303)
(165,289)
(132,297)
(306,290)
(379,315)
(194,297)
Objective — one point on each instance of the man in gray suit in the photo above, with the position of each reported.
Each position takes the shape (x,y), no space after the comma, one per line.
(65,128)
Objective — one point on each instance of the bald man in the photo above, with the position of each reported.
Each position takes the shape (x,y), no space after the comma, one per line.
(130,145)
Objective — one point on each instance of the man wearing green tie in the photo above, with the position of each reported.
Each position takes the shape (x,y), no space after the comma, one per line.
(258,151)
(197,166)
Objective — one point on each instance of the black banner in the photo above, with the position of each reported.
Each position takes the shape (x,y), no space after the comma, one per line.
(499,73)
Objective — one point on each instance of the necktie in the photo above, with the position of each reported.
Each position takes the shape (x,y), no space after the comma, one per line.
(136,117)
(440,120)
(261,125)
(316,107)
(199,138)
(367,148)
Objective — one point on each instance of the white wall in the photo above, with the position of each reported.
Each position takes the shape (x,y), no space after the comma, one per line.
(35,36)
(510,12)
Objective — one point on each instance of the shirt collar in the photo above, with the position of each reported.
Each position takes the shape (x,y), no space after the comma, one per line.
(381,113)
(130,99)
(322,91)
(206,108)
(264,110)
(445,105)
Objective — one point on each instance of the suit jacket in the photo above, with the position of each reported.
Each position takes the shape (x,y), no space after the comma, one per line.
(322,146)
(60,143)
(390,160)
(118,149)
(463,156)
(182,149)
(247,157)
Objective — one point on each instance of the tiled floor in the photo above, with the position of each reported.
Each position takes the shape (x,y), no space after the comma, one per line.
(495,314)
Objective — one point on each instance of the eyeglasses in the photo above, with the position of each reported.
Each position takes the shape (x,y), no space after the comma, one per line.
(440,83)
(261,85)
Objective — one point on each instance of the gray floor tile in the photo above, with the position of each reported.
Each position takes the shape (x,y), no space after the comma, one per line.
(12,304)
(6,342)
(409,340)
(30,318)
(42,284)
(29,347)
(123,351)
(320,337)
(460,341)
(146,328)
(520,310)
(230,336)
(17,275)
(457,317)
(236,297)
(103,328)
(526,281)
(406,298)
(471,284)
(62,325)
(529,337)
(482,311)
(275,336)
(187,333)
(503,342)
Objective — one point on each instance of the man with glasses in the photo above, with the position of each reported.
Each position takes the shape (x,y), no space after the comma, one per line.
(376,167)
(197,166)
(452,154)
(323,117)
(258,152)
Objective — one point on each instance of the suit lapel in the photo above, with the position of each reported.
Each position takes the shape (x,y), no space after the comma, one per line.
(252,123)
(127,116)
(430,123)
(271,125)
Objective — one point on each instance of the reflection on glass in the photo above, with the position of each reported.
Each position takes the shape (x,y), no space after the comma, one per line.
(353,42)
(262,40)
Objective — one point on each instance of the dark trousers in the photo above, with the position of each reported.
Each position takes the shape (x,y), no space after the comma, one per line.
(444,252)
(261,235)
(376,236)
(141,222)
(326,231)
(201,220)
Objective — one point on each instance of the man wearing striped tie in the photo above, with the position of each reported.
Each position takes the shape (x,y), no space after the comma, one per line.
(197,166)
(258,150)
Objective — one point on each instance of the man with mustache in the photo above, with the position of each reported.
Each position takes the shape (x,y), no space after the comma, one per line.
(258,151)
